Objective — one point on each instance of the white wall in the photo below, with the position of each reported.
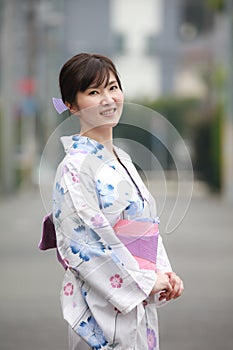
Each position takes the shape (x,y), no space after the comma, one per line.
(140,73)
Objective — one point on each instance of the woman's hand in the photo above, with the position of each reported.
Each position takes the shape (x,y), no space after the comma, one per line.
(177,287)
(162,284)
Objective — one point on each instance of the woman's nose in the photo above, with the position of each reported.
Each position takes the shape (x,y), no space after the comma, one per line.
(107,98)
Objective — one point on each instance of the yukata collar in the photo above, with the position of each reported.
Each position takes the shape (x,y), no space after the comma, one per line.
(80,143)
(84,144)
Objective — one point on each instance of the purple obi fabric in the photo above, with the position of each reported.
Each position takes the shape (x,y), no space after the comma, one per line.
(49,240)
(141,239)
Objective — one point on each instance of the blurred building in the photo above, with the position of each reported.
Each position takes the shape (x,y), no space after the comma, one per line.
(160,46)
(166,47)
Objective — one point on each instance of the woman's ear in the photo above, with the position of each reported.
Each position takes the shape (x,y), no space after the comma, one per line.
(72,107)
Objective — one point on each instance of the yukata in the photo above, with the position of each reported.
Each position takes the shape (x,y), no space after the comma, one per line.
(105,296)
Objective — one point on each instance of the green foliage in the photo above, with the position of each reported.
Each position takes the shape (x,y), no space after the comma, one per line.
(179,111)
(208,145)
(216,5)
(202,125)
(216,142)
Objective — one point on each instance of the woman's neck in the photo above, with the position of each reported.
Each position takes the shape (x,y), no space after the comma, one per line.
(101,135)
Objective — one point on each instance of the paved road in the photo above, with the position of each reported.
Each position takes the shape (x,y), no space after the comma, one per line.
(201,250)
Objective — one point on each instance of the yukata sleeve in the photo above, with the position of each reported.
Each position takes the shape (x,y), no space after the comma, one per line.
(84,239)
(163,263)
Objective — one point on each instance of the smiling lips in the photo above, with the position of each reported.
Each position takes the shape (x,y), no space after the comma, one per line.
(108,112)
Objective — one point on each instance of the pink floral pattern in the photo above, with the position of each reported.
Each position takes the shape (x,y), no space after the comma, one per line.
(116,281)
(97,220)
(74,177)
(68,289)
(151,339)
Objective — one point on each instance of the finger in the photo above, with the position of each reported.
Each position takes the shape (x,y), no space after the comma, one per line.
(177,286)
(178,290)
(168,294)
(173,278)
(171,275)
(163,296)
(181,288)
(178,294)
(169,287)
(182,285)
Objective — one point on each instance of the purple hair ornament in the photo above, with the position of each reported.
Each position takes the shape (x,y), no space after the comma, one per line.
(59,105)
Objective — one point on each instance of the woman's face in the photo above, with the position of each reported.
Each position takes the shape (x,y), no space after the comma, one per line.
(100,106)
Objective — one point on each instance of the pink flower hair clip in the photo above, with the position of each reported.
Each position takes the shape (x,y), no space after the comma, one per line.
(59,105)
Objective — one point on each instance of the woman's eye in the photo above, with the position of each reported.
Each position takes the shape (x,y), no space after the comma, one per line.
(93,92)
(114,87)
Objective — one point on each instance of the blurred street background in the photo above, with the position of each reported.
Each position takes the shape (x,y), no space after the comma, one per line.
(174,57)
(200,251)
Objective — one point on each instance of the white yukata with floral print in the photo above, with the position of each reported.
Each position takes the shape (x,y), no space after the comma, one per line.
(105,295)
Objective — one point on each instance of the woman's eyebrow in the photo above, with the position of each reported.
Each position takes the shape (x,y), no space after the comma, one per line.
(112,82)
(94,86)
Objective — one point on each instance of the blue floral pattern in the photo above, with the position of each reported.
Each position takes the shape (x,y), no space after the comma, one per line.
(58,199)
(86,243)
(92,333)
(106,194)
(134,208)
(83,143)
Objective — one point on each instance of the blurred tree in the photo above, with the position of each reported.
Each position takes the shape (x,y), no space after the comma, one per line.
(179,111)
(217,5)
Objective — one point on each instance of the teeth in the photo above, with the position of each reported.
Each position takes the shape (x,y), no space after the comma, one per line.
(110,111)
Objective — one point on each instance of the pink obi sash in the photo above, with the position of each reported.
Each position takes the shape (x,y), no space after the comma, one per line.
(141,239)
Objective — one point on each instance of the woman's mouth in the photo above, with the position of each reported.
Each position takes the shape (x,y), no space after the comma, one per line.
(108,112)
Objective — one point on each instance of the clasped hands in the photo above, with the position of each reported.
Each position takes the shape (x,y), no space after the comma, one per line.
(169,285)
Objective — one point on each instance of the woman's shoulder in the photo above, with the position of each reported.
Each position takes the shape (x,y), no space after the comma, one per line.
(84,157)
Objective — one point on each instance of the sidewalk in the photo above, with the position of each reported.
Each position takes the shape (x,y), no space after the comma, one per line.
(201,252)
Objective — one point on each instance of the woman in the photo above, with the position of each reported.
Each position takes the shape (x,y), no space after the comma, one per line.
(108,297)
